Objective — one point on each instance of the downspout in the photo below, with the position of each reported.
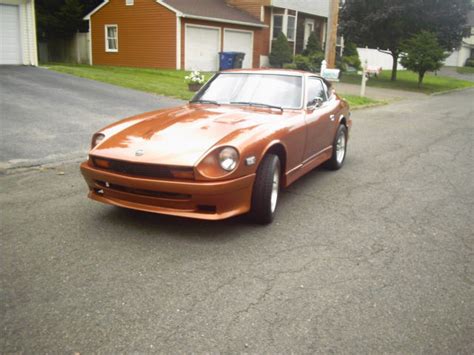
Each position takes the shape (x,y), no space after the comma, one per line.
(178,41)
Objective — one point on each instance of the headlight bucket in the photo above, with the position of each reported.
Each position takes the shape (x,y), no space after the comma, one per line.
(228,158)
(219,163)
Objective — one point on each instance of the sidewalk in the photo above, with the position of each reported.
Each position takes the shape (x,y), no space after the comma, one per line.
(378,93)
(451,72)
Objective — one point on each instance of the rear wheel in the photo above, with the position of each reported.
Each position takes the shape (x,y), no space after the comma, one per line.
(339,149)
(266,190)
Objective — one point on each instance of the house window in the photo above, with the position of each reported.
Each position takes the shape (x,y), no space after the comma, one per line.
(277,25)
(288,27)
(129,2)
(111,38)
(291,28)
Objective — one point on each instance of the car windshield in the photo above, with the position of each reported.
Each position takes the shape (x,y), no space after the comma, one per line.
(272,90)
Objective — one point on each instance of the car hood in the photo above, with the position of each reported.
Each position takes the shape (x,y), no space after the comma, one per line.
(179,136)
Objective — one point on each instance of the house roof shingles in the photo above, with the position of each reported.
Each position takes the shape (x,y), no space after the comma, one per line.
(215,9)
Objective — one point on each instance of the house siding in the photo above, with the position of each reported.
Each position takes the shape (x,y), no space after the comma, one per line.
(319,23)
(253,7)
(146,35)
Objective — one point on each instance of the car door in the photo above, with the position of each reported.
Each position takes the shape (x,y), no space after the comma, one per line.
(320,120)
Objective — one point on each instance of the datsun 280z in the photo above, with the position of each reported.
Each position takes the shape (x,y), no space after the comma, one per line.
(244,136)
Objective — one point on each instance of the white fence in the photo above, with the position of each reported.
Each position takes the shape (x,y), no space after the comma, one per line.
(74,50)
(377,58)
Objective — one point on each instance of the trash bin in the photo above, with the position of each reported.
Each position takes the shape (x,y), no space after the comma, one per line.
(238,60)
(226,60)
(231,60)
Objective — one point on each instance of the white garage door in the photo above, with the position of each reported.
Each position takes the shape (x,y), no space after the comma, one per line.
(9,35)
(202,48)
(240,41)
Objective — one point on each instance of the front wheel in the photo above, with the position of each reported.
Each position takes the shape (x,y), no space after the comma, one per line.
(266,190)
(339,149)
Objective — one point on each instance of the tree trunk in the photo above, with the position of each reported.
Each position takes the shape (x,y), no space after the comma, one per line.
(421,75)
(394,65)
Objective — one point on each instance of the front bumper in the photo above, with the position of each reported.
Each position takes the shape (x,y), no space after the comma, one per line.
(203,200)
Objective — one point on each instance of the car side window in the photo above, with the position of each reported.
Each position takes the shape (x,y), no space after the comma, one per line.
(327,90)
(316,88)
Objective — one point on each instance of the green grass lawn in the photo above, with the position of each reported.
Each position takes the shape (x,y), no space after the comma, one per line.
(358,101)
(465,70)
(156,81)
(407,80)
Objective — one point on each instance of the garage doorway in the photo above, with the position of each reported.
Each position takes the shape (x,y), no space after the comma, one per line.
(10,42)
(240,41)
(202,47)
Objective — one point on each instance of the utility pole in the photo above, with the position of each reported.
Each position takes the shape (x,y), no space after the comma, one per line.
(333,22)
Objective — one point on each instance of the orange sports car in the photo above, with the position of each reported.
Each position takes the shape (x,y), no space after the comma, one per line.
(245,135)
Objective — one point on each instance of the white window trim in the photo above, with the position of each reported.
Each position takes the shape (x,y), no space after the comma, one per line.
(129,2)
(294,31)
(107,49)
(284,25)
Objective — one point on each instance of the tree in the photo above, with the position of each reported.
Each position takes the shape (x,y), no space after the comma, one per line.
(385,24)
(313,44)
(59,19)
(422,53)
(281,52)
(350,56)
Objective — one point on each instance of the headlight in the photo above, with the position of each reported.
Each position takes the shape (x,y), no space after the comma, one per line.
(228,158)
(96,139)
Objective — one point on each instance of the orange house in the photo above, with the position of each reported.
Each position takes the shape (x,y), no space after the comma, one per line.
(189,34)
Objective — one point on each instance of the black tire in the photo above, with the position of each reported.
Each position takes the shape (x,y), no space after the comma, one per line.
(261,211)
(334,163)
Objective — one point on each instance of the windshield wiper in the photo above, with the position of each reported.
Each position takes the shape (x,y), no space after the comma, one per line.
(256,104)
(212,102)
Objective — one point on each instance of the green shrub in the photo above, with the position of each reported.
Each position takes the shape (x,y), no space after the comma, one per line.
(350,57)
(422,53)
(281,52)
(469,62)
(291,66)
(317,58)
(303,63)
(313,45)
(310,63)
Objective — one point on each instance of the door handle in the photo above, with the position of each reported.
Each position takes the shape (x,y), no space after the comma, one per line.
(332,117)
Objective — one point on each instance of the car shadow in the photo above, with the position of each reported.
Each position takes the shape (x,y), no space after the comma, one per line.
(195,229)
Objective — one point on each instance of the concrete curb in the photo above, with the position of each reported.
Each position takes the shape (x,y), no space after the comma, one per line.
(450,91)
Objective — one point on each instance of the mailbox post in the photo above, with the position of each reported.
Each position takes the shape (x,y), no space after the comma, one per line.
(364,79)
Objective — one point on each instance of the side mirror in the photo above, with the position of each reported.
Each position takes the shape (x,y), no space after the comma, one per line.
(314,104)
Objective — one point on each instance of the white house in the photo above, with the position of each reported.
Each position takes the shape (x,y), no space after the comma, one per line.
(18,32)
(466,50)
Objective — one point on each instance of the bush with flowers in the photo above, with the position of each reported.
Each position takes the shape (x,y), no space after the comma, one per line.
(195,77)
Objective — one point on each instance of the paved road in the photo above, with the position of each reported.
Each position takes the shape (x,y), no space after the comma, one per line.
(375,258)
(378,93)
(46,116)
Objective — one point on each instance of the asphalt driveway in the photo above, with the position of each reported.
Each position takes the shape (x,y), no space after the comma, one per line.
(374,258)
(47,116)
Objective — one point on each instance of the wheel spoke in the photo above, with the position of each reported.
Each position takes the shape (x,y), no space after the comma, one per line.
(275,189)
(340,147)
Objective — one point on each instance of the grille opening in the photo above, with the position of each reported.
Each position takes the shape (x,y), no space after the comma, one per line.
(207,208)
(150,193)
(145,170)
